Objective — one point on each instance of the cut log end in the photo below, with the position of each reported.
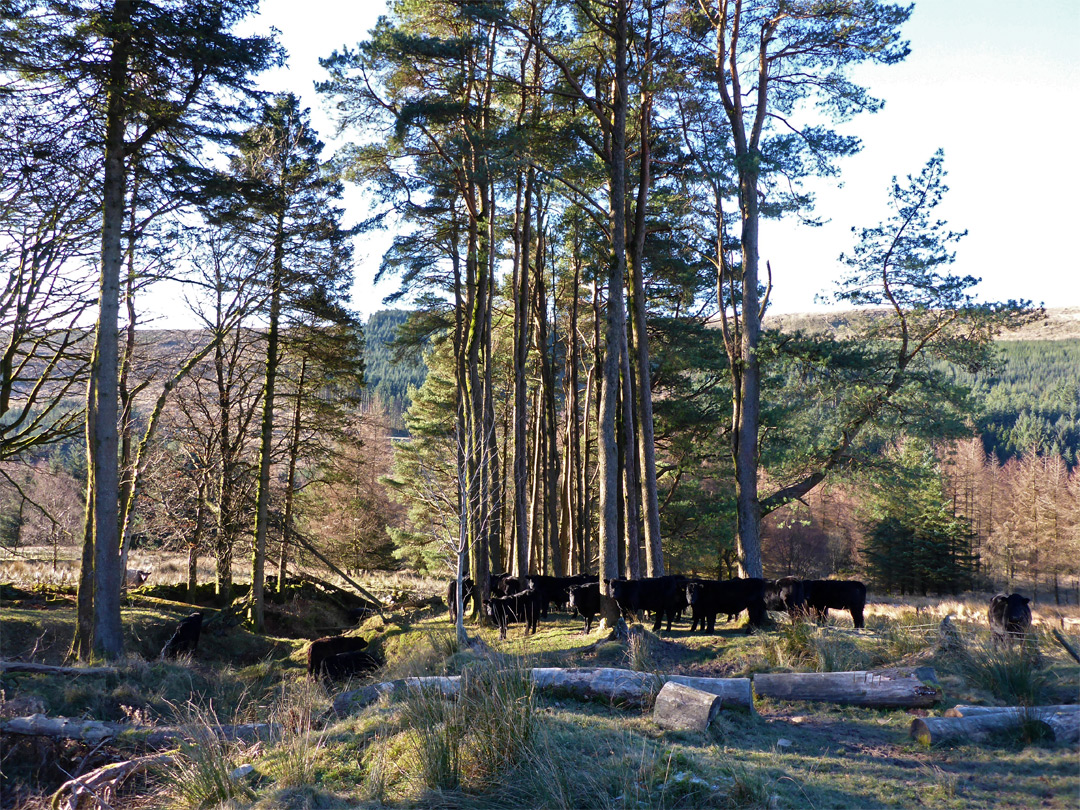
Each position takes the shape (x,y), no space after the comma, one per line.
(683,708)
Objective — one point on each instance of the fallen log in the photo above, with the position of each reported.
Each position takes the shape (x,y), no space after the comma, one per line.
(632,688)
(92,731)
(886,688)
(962,710)
(358,699)
(622,686)
(1068,647)
(48,669)
(98,789)
(1064,727)
(683,708)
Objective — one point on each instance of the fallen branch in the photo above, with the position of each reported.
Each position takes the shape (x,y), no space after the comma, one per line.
(48,669)
(1068,647)
(90,731)
(886,688)
(359,588)
(99,788)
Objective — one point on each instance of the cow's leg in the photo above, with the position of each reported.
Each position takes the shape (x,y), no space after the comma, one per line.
(857,616)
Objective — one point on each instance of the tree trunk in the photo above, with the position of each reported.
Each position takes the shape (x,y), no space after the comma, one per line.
(521,405)
(82,646)
(616,311)
(654,556)
(266,431)
(631,488)
(550,421)
(903,688)
(290,480)
(108,630)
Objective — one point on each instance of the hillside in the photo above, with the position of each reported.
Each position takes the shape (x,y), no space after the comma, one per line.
(1062,323)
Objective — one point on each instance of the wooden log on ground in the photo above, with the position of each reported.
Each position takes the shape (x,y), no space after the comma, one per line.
(683,708)
(98,788)
(357,700)
(635,688)
(623,686)
(48,669)
(93,731)
(886,688)
(962,710)
(1062,722)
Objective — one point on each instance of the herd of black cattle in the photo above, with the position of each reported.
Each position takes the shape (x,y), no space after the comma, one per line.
(527,599)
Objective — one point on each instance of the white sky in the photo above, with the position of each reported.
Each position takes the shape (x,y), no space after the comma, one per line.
(995,83)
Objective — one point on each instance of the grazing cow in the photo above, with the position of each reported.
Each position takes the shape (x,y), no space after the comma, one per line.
(518,607)
(323,648)
(135,577)
(785,594)
(586,600)
(731,596)
(344,665)
(657,594)
(838,594)
(1010,617)
(468,591)
(186,637)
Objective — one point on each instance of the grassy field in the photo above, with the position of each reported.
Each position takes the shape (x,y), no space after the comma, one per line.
(504,745)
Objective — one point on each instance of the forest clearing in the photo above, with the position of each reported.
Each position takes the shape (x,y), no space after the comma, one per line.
(503,743)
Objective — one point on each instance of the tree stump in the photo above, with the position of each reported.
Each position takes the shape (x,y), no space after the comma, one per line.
(683,708)
(886,688)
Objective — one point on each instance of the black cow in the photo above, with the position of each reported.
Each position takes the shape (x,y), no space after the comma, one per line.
(322,649)
(838,594)
(657,594)
(731,596)
(1010,617)
(186,637)
(468,591)
(556,590)
(344,665)
(519,607)
(786,594)
(586,600)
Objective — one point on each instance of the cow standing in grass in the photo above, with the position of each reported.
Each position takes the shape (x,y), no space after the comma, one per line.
(1010,617)
(837,594)
(519,607)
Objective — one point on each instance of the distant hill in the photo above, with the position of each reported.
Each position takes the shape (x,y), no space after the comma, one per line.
(1062,323)
(1031,399)
(387,377)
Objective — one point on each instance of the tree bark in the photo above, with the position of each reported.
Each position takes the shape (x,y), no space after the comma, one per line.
(905,688)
